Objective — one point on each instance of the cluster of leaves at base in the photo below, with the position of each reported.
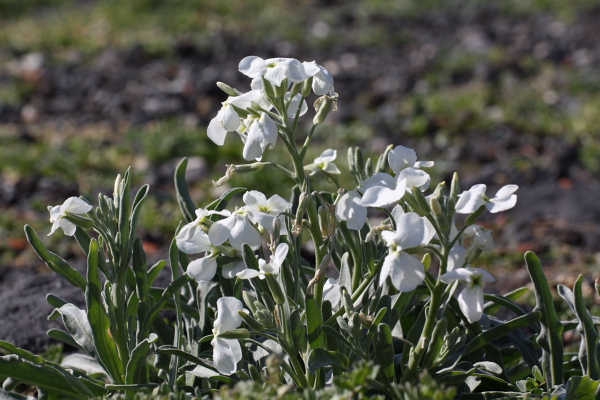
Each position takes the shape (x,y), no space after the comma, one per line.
(352,385)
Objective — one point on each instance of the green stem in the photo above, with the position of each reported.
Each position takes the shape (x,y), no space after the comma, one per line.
(307,141)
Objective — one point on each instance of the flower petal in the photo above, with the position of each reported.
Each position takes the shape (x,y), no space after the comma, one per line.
(401,157)
(280,253)
(471,303)
(227,314)
(248,274)
(470,200)
(252,66)
(215,130)
(203,269)
(230,271)
(226,354)
(407,272)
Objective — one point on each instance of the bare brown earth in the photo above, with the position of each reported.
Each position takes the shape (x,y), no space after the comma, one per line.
(558,211)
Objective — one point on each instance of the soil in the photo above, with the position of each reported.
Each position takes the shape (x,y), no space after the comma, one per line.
(558,207)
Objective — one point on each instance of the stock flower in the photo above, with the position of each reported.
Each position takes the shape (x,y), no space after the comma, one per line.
(324,163)
(261,133)
(274,70)
(350,209)
(402,157)
(475,197)
(227,119)
(456,257)
(236,228)
(482,238)
(383,190)
(227,352)
(415,177)
(192,238)
(322,83)
(272,267)
(405,271)
(72,205)
(202,269)
(471,298)
(265,211)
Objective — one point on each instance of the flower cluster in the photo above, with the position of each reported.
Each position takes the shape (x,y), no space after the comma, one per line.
(249,114)
(229,243)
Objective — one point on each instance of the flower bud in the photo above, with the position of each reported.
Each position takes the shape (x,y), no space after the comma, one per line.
(295,89)
(281,90)
(434,204)
(228,89)
(307,87)
(324,221)
(249,299)
(276,232)
(275,288)
(302,206)
(323,107)
(240,333)
(251,322)
(117,191)
(268,88)
(472,218)
(84,223)
(455,187)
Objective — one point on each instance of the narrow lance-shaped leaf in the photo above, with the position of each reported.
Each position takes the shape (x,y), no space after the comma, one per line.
(99,321)
(319,358)
(54,262)
(186,204)
(384,354)
(550,337)
(137,371)
(586,328)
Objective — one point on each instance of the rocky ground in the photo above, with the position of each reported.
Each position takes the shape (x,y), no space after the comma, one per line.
(484,93)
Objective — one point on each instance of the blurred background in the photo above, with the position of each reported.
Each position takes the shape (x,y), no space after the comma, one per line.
(502,92)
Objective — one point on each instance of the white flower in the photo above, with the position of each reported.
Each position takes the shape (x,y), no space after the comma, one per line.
(72,205)
(261,133)
(402,157)
(273,267)
(294,103)
(202,269)
(471,298)
(322,79)
(475,197)
(430,233)
(227,119)
(406,271)
(331,292)
(383,190)
(227,352)
(350,209)
(456,257)
(265,211)
(415,177)
(192,238)
(274,70)
(324,163)
(482,238)
(236,228)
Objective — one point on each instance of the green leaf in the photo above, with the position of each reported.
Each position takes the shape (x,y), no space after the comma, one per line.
(436,343)
(140,269)
(138,202)
(384,354)
(220,203)
(586,328)
(53,261)
(166,295)
(186,204)
(99,322)
(132,388)
(314,321)
(41,376)
(185,356)
(137,371)
(582,388)
(63,336)
(27,355)
(319,358)
(492,309)
(500,330)
(550,337)
(155,270)
(77,324)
